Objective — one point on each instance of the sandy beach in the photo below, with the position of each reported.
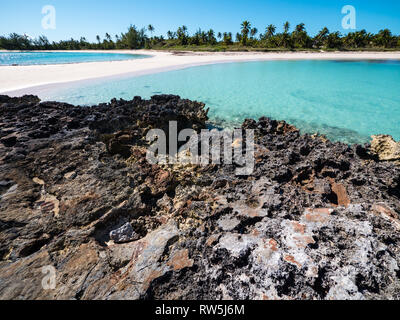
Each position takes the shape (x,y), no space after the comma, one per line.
(17,78)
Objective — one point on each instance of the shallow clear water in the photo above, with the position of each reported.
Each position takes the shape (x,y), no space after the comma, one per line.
(347,101)
(35,58)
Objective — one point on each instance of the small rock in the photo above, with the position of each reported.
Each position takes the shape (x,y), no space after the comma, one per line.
(180,260)
(322,186)
(319,215)
(228,223)
(123,234)
(5,184)
(38,181)
(341,193)
(70,175)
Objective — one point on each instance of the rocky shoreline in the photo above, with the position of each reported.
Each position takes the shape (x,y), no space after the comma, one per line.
(316,219)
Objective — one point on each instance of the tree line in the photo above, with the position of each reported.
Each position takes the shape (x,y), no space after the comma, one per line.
(248,36)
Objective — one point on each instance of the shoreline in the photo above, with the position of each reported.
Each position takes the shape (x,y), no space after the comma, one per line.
(19,79)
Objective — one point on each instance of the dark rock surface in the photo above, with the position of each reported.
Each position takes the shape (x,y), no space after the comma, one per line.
(316,219)
(123,234)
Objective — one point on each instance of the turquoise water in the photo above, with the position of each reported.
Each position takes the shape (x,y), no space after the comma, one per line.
(34,58)
(347,101)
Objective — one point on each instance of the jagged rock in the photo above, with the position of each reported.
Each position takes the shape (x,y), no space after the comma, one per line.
(315,220)
(385,147)
(144,266)
(228,223)
(341,194)
(123,234)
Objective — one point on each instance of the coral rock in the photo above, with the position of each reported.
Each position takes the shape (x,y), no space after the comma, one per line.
(385,147)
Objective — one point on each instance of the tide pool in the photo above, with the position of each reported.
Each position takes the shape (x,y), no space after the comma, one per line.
(40,58)
(347,101)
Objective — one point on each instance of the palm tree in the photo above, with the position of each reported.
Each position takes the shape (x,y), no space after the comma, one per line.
(253,32)
(246,25)
(384,38)
(211,36)
(270,30)
(170,35)
(323,33)
(300,37)
(286,27)
(201,36)
(357,39)
(151,29)
(334,40)
(219,35)
(227,38)
(98,39)
(300,27)
(321,37)
(285,40)
(182,35)
(108,37)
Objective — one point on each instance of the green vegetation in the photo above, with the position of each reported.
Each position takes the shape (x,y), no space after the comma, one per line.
(245,40)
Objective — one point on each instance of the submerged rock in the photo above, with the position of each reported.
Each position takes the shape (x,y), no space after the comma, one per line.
(315,220)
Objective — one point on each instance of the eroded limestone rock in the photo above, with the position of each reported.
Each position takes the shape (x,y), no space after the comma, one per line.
(385,147)
(123,234)
(315,220)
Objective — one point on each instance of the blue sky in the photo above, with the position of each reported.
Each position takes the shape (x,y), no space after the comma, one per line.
(76,18)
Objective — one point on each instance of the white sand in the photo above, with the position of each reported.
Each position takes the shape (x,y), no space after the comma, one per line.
(14,78)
